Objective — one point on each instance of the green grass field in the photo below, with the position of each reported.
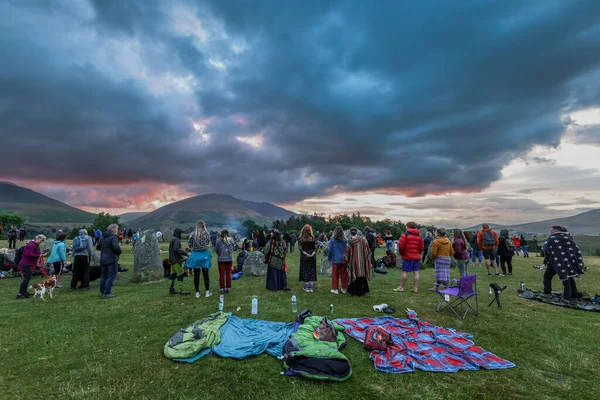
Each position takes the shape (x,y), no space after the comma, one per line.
(78,346)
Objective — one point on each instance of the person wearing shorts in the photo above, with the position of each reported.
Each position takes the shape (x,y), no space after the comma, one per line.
(485,237)
(410,247)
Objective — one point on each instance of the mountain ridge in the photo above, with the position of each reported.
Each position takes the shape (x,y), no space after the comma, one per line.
(585,223)
(214,209)
(39,208)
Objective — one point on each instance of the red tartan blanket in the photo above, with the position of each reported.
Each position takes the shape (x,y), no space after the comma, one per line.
(418,344)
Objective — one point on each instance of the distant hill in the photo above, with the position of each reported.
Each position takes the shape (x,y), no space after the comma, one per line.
(214,209)
(587,223)
(130,216)
(38,208)
(478,227)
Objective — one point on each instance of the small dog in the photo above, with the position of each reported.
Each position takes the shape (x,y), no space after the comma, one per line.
(42,287)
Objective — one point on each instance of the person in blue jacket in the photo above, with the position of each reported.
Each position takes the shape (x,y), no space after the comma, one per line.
(58,256)
(335,254)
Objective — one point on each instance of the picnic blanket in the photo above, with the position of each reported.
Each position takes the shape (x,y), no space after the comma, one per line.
(419,345)
(584,302)
(237,338)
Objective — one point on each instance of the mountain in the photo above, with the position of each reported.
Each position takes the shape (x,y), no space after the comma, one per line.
(587,223)
(38,208)
(130,216)
(214,209)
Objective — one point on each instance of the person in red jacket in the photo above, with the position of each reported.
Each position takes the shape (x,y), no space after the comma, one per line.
(410,247)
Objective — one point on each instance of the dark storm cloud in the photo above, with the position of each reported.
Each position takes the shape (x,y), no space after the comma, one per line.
(389,97)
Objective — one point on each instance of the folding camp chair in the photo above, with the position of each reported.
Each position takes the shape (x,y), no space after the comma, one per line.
(494,287)
(460,295)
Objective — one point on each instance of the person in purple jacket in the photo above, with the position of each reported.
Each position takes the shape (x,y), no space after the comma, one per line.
(461,251)
(29,259)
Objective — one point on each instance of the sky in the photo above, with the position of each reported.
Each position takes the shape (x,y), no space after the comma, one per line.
(435,111)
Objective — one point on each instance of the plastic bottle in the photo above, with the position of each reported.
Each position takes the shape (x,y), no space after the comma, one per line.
(254,305)
(221,302)
(331,308)
(294,304)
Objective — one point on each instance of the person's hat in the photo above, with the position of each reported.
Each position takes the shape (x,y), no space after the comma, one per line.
(83,231)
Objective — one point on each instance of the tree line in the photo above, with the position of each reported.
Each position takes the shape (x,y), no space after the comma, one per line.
(321,223)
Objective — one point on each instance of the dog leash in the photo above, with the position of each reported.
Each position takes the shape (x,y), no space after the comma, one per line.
(43,265)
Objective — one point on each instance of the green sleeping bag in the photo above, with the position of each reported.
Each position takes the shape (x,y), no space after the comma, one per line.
(200,335)
(317,359)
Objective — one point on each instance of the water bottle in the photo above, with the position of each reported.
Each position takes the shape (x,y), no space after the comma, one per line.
(254,305)
(221,302)
(331,308)
(522,287)
(294,304)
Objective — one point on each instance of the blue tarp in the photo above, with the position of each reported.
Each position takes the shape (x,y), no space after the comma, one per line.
(241,338)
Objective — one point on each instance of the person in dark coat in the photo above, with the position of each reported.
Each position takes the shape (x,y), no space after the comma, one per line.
(177,258)
(524,247)
(372,242)
(293,239)
(109,259)
(261,241)
(505,253)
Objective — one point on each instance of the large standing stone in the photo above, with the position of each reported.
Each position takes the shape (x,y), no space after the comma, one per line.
(255,264)
(10,256)
(147,264)
(95,259)
(325,263)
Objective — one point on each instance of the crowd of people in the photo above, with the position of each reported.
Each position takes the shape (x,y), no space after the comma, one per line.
(13,234)
(352,258)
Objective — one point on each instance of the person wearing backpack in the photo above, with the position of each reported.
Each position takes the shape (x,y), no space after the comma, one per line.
(29,258)
(224,250)
(58,256)
(506,250)
(487,240)
(83,253)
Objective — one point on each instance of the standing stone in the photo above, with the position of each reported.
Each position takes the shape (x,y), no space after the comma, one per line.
(167,234)
(10,256)
(255,264)
(147,264)
(325,263)
(95,259)
(47,246)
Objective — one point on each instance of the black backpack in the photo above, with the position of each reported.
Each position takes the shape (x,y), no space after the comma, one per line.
(18,255)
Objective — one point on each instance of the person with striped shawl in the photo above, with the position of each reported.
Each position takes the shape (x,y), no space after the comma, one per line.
(357,258)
